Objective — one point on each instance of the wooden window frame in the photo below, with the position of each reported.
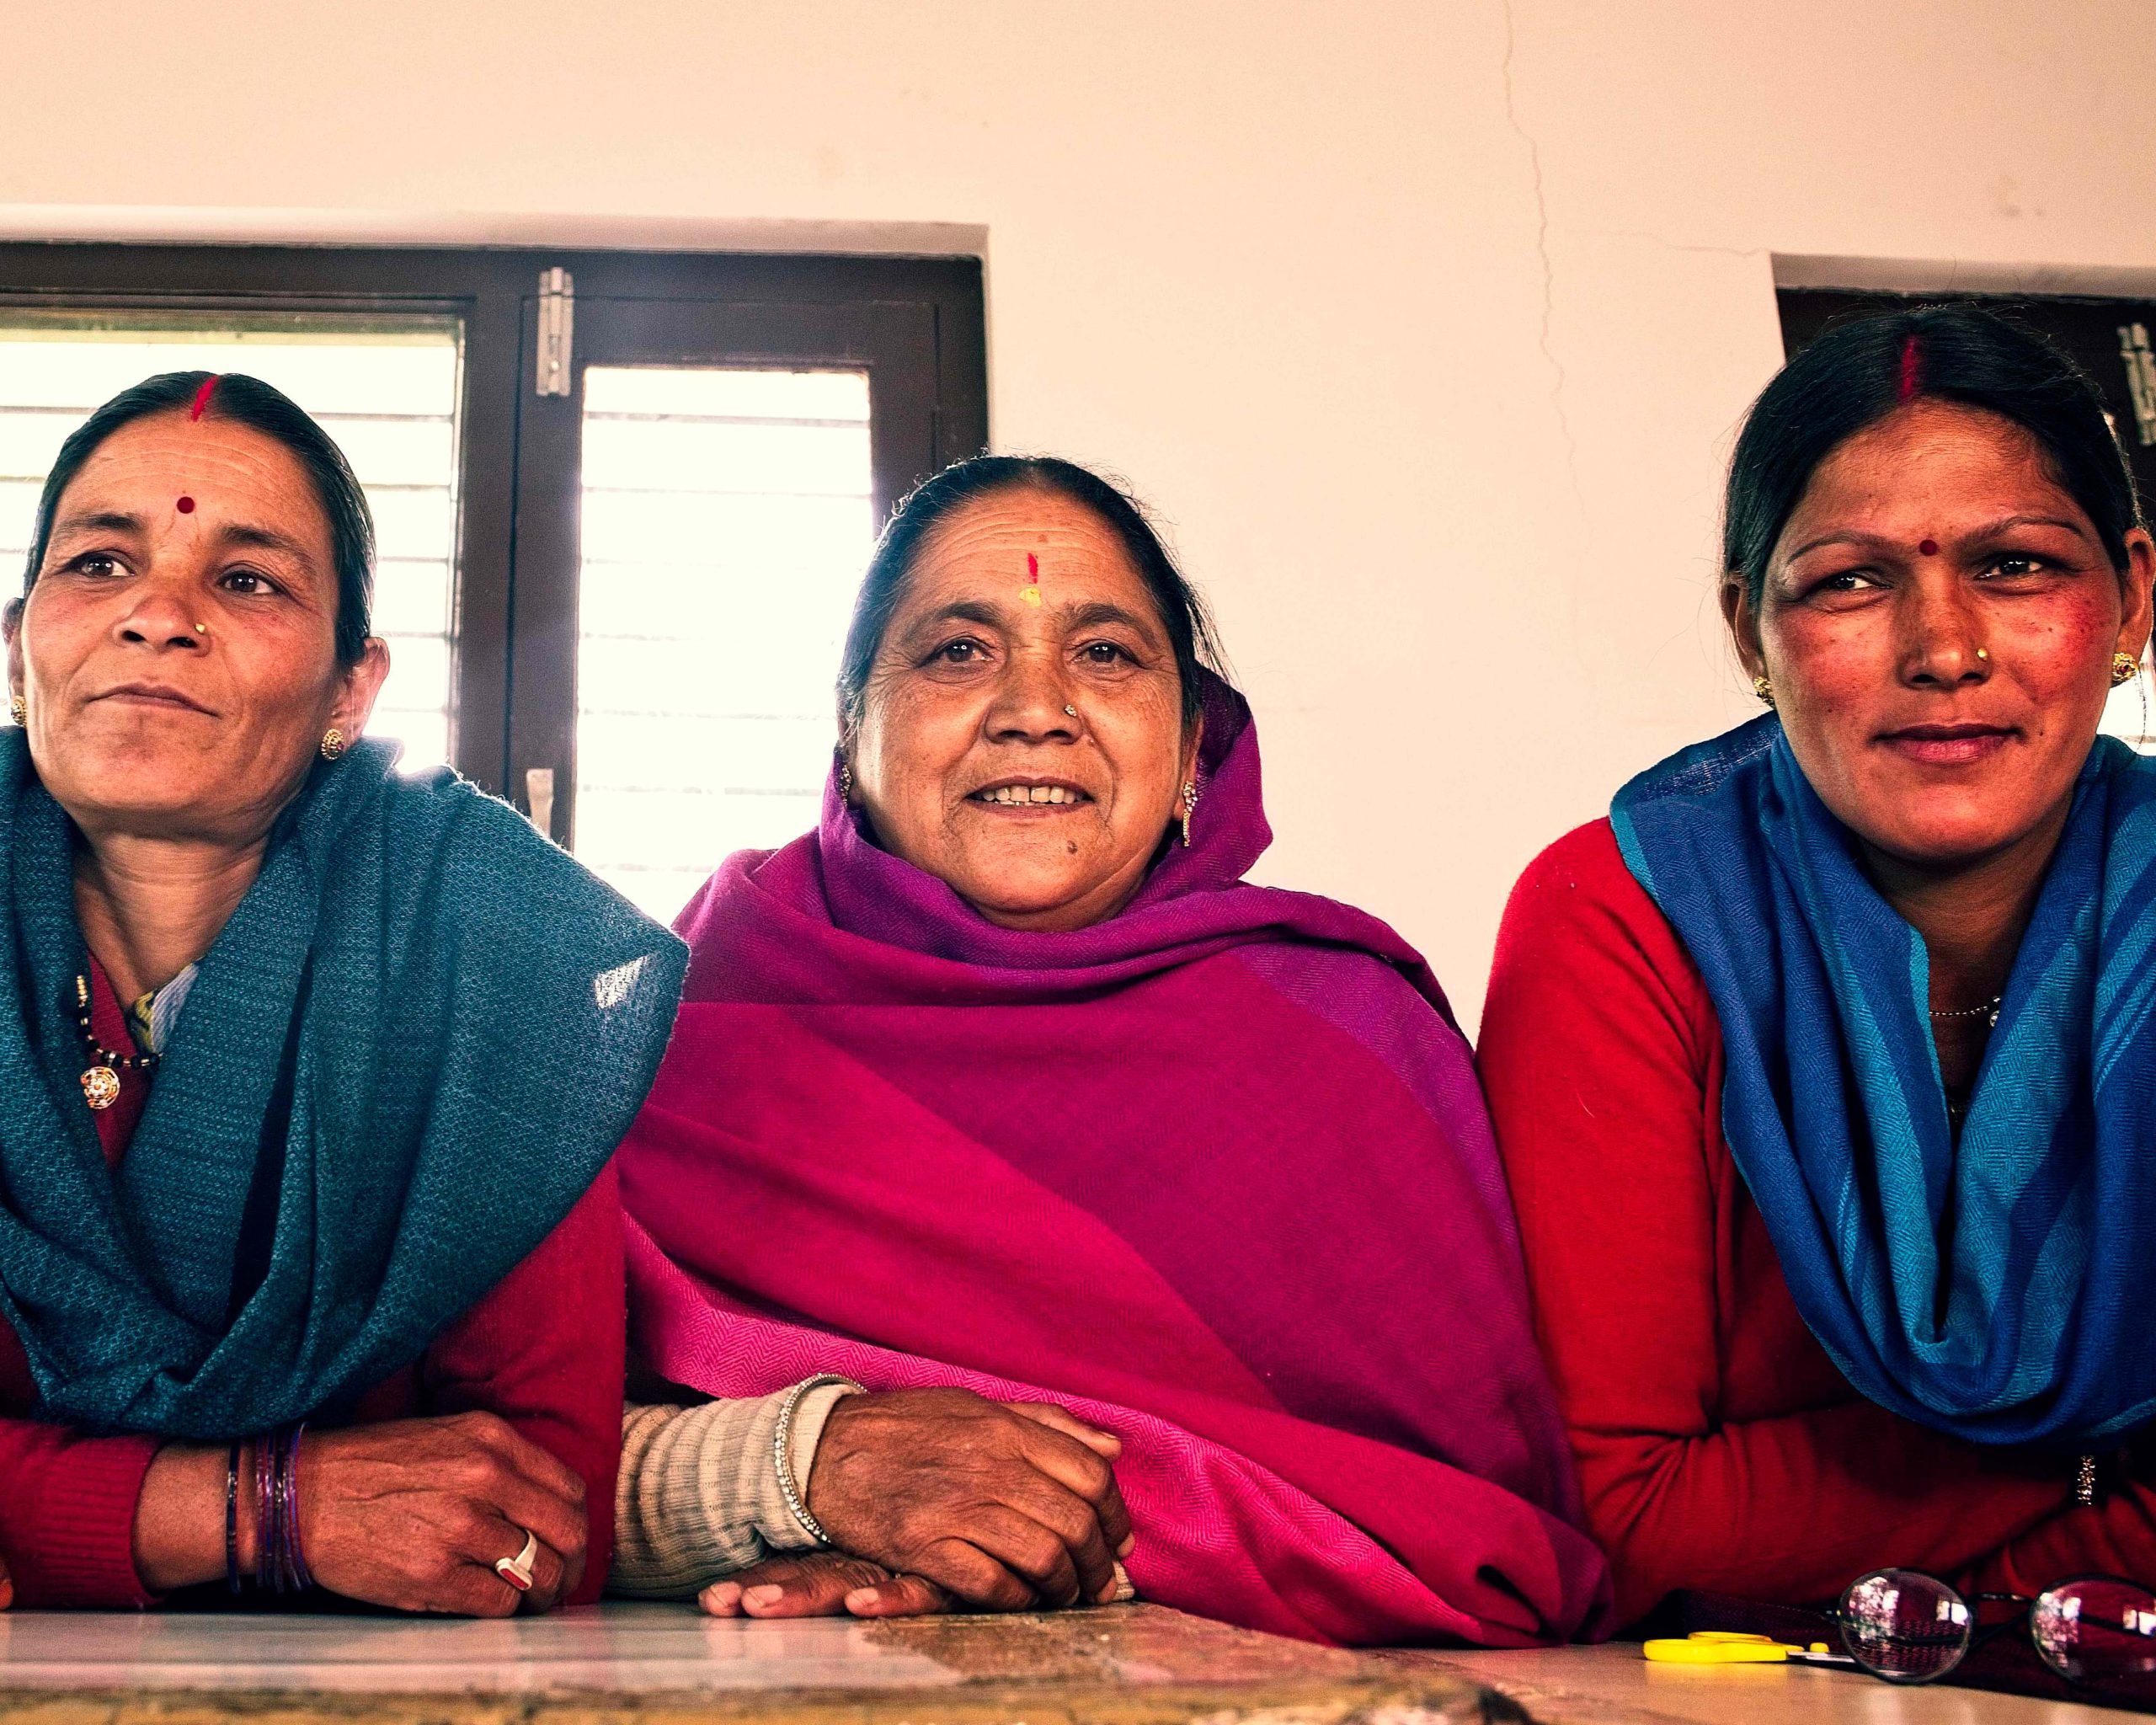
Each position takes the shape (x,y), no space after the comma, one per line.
(508,610)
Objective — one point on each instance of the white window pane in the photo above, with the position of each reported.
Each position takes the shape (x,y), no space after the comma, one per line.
(653,752)
(386,450)
(727,517)
(30,439)
(411,595)
(661,527)
(789,397)
(413,521)
(17,510)
(418,667)
(388,395)
(62,362)
(680,456)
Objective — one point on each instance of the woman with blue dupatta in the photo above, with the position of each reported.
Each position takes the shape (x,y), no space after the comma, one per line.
(1822,1068)
(310,1071)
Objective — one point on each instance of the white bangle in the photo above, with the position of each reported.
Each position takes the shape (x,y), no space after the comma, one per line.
(782,1455)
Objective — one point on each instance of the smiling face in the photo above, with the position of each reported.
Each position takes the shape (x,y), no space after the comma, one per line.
(1021,735)
(1938,621)
(177,650)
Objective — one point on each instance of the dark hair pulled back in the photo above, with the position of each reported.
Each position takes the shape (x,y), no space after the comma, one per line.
(246,401)
(1855,374)
(1182,612)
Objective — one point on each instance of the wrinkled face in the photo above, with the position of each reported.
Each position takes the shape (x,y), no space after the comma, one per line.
(1023,737)
(1937,622)
(178,651)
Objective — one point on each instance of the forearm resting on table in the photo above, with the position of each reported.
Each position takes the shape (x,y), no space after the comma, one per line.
(2114,1536)
(698,1496)
(1793,1508)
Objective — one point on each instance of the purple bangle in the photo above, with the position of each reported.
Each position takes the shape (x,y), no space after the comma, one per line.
(288,1504)
(232,1516)
(280,1563)
(265,1450)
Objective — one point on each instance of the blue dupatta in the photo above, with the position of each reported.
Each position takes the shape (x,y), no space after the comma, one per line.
(409,1052)
(2001,1289)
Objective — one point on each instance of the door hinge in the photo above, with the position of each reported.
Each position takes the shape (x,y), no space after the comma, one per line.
(2140,378)
(557,330)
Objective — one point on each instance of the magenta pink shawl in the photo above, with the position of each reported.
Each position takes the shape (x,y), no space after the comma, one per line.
(1214,1174)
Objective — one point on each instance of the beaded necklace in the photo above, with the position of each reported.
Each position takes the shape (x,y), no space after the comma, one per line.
(101,1080)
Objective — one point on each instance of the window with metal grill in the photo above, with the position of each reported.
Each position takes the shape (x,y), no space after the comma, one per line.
(623,499)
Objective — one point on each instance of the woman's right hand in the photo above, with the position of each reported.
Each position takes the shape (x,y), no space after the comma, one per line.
(1006,1508)
(414,1514)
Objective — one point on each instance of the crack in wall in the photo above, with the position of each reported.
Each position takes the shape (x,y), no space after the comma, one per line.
(1549,272)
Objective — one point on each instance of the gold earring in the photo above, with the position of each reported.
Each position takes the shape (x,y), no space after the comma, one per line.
(2124,668)
(1189,808)
(19,709)
(332,744)
(1764,689)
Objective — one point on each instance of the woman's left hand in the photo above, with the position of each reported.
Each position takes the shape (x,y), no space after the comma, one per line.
(821,1585)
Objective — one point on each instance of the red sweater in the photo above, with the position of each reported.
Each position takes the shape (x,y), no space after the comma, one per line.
(1719,1448)
(543,1350)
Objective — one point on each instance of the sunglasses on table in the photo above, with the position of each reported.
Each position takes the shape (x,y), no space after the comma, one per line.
(1910,1627)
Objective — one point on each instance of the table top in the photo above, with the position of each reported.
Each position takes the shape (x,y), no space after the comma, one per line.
(646,1664)
(633,1664)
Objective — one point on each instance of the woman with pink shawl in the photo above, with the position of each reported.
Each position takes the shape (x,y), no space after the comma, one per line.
(1048,1212)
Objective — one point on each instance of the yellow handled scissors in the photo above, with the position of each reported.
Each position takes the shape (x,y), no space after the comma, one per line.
(1719,1647)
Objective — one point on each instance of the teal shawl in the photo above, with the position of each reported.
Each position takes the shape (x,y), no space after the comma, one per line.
(408,1054)
(1999,1286)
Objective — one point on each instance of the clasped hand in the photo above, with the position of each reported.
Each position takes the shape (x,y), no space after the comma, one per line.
(412,1514)
(941,1499)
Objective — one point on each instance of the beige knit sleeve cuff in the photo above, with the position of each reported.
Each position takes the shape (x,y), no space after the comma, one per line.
(698,1494)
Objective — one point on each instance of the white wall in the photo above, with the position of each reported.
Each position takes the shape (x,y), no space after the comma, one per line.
(1426,325)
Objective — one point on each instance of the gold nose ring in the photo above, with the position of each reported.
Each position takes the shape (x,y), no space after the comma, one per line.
(201,628)
(1071,712)
(1983,653)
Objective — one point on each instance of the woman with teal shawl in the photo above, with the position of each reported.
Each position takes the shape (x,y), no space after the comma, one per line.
(1823,1069)
(310,1071)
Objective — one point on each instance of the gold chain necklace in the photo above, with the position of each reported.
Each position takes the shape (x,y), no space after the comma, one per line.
(101,1082)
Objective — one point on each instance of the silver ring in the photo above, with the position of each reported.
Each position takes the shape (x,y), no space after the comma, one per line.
(517,1571)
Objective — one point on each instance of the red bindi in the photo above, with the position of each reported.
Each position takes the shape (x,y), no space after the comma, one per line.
(1930,547)
(186,505)
(1033,569)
